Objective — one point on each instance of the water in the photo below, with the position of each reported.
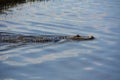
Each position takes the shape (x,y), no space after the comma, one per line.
(98,59)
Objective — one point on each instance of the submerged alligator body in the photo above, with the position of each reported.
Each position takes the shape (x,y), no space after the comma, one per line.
(16,38)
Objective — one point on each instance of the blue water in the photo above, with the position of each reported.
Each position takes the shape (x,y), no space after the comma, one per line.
(98,59)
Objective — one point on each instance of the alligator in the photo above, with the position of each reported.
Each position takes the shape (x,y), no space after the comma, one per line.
(17,38)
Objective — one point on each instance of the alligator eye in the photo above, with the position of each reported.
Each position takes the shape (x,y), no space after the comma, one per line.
(77,35)
(91,37)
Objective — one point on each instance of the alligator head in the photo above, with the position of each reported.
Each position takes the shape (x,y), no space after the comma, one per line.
(78,37)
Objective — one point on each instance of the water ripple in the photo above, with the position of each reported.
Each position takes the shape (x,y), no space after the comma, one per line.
(63,60)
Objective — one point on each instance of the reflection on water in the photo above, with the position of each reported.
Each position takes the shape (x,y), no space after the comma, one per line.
(5,4)
(85,60)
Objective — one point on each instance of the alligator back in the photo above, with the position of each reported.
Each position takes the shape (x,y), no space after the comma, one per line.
(16,38)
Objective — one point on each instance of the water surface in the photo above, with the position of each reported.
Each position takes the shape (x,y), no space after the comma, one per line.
(98,59)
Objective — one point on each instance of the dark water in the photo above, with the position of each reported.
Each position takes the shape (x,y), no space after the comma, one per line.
(98,59)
